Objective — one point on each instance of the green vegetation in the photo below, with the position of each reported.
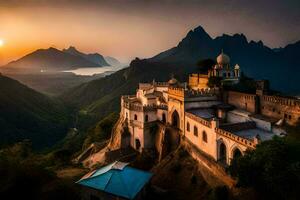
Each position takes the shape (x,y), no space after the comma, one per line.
(272,169)
(246,84)
(27,114)
(205,64)
(25,175)
(214,81)
(101,131)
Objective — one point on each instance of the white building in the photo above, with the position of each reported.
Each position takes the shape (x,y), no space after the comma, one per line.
(201,116)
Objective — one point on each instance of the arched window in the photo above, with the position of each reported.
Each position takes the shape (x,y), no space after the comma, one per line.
(204,136)
(188,126)
(146,118)
(195,131)
(135,117)
(164,118)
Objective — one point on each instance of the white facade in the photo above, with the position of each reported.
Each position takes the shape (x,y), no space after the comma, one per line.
(201,117)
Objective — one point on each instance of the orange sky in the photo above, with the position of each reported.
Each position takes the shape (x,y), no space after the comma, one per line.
(137,28)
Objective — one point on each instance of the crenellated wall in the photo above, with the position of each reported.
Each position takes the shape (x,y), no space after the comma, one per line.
(272,106)
(280,108)
(242,100)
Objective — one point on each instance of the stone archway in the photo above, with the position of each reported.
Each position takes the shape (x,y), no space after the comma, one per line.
(222,153)
(236,153)
(175,119)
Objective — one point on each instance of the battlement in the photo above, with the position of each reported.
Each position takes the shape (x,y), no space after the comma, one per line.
(199,119)
(285,101)
(181,92)
(238,139)
(143,108)
(245,96)
(161,84)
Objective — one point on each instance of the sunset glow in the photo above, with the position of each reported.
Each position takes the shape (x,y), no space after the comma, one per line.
(1,43)
(135,29)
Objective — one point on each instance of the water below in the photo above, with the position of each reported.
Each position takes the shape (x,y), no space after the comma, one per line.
(90,71)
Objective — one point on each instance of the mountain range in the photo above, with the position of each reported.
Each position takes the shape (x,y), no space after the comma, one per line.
(52,59)
(27,114)
(102,96)
(93,57)
(255,59)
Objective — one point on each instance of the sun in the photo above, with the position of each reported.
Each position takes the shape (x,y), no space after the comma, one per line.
(1,43)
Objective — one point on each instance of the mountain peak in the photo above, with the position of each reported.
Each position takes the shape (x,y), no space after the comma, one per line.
(199,32)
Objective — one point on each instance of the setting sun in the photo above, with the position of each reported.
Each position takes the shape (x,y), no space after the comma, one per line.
(1,43)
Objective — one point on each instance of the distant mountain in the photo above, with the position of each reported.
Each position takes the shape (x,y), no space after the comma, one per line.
(256,59)
(112,61)
(27,114)
(94,57)
(50,59)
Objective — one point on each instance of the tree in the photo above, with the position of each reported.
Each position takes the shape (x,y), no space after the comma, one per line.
(205,64)
(273,169)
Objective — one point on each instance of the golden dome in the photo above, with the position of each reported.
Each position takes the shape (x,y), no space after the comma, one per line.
(223,59)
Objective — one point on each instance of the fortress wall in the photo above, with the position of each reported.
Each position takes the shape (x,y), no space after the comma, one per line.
(198,81)
(281,108)
(242,101)
(208,147)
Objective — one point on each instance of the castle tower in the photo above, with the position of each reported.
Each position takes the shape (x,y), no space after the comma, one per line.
(237,71)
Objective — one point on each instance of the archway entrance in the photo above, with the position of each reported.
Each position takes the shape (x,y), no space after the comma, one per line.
(222,153)
(137,144)
(175,119)
(236,153)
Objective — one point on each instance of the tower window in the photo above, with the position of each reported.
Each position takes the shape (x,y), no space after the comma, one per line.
(204,136)
(188,126)
(135,117)
(146,118)
(195,131)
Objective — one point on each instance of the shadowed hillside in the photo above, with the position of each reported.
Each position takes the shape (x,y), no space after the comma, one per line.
(27,114)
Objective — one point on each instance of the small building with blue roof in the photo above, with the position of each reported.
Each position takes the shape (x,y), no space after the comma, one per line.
(114,181)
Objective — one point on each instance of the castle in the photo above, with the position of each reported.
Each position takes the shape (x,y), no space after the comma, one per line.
(220,123)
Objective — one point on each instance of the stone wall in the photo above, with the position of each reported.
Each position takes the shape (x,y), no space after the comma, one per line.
(242,100)
(280,108)
(198,81)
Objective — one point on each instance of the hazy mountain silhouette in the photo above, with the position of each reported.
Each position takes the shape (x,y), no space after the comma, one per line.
(112,61)
(51,59)
(27,114)
(93,57)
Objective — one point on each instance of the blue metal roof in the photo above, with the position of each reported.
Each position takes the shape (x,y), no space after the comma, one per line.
(117,179)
